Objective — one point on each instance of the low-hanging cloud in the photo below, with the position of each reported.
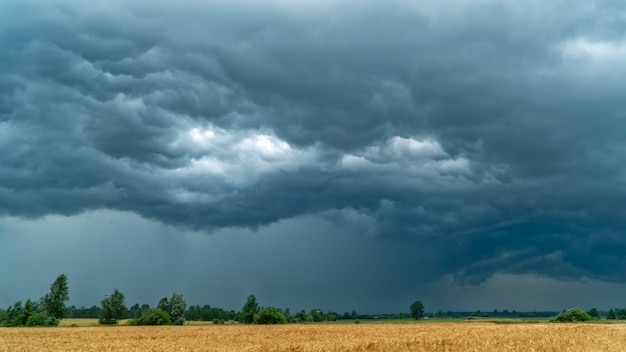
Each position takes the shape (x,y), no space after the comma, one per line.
(486,132)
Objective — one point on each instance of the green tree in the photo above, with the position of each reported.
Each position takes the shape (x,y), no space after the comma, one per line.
(593,312)
(572,315)
(249,310)
(54,302)
(29,309)
(41,319)
(27,315)
(417,310)
(611,315)
(330,316)
(301,316)
(269,315)
(155,316)
(290,318)
(134,311)
(164,305)
(14,315)
(621,314)
(315,315)
(113,308)
(177,307)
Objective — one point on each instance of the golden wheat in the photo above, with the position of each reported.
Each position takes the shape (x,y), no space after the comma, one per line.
(330,338)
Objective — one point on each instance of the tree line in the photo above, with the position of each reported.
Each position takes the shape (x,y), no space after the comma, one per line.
(49,309)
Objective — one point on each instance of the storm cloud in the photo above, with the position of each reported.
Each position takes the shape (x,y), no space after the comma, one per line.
(485,136)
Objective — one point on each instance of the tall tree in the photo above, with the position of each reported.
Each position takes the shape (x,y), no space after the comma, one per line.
(29,310)
(177,307)
(113,308)
(417,310)
(164,305)
(54,302)
(249,310)
(14,315)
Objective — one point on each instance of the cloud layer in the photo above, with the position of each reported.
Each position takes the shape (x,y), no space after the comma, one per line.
(486,134)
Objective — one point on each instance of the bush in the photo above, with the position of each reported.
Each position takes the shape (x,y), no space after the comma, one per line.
(41,319)
(179,321)
(269,315)
(152,317)
(107,321)
(572,315)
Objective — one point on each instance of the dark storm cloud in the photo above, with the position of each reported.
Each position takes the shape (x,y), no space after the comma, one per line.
(486,133)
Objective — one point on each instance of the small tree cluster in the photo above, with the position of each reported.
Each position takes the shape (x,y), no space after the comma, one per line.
(45,312)
(174,310)
(113,308)
(611,315)
(208,313)
(30,314)
(616,314)
(313,316)
(269,315)
(251,313)
(136,310)
(572,315)
(155,316)
(174,307)
(350,316)
(593,312)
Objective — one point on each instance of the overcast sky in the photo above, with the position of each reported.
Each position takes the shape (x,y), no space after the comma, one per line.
(333,154)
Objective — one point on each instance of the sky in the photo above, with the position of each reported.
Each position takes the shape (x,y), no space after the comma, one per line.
(317,154)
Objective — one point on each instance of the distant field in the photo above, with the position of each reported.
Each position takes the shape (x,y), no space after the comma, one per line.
(322,337)
(82,322)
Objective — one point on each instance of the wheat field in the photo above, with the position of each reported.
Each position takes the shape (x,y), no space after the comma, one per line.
(331,338)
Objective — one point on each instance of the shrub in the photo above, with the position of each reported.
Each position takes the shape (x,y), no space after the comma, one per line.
(152,317)
(41,319)
(572,315)
(179,321)
(269,315)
